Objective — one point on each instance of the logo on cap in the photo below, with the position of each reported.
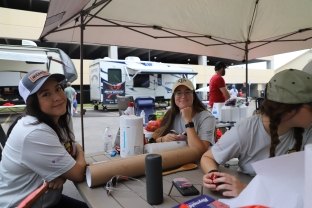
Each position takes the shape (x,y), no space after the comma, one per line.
(37,75)
(182,80)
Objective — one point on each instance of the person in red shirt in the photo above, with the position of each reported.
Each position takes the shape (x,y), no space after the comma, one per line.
(218,92)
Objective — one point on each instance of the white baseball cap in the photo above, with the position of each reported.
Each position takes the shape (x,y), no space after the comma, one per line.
(185,82)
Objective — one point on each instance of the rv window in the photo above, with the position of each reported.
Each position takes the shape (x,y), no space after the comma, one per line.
(141,80)
(159,81)
(114,76)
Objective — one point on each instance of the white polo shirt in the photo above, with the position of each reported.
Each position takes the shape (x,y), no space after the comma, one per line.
(32,153)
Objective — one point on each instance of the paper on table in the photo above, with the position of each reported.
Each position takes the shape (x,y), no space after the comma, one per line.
(279,183)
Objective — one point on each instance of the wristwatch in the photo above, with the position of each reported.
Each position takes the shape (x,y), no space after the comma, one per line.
(189,125)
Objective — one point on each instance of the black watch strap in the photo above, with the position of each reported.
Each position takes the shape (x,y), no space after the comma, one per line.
(189,125)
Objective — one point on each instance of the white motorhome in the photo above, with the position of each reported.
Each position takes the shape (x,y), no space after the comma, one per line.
(132,77)
(17,60)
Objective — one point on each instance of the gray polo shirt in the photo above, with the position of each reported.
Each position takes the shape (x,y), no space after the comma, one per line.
(204,124)
(249,142)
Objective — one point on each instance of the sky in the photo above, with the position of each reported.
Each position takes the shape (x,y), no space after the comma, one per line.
(279,60)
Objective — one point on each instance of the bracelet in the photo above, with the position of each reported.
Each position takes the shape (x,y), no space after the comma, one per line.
(213,170)
(161,139)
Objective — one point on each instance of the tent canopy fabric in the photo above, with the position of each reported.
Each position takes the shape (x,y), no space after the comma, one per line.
(238,30)
(218,28)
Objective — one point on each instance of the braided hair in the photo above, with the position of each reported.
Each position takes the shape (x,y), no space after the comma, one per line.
(275,111)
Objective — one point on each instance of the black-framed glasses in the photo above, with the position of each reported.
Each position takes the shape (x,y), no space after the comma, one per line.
(111,185)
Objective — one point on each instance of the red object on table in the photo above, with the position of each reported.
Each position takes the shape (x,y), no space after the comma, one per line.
(8,104)
(218,134)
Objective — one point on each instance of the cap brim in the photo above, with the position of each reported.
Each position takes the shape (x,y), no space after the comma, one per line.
(182,85)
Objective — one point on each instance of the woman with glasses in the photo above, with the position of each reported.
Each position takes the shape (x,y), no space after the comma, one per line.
(187,119)
(283,125)
(40,146)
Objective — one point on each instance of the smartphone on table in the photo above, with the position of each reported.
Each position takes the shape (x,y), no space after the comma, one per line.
(185,187)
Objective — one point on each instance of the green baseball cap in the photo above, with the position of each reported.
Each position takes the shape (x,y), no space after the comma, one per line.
(290,86)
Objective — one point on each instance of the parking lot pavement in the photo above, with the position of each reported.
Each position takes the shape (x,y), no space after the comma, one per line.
(94,123)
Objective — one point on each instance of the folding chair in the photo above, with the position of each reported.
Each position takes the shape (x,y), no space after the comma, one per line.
(144,103)
(3,138)
(33,196)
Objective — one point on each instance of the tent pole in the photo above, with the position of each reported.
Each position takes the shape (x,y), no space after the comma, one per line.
(246,62)
(82,27)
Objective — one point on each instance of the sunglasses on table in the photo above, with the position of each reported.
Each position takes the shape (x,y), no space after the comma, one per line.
(111,185)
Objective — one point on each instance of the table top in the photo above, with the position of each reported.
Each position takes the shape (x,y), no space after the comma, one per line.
(132,194)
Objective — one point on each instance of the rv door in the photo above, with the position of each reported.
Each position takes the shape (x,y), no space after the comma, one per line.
(113,86)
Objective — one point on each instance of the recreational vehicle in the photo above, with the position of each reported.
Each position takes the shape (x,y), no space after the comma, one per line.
(132,77)
(16,60)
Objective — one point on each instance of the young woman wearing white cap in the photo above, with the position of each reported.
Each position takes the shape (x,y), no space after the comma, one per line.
(283,125)
(187,114)
(40,146)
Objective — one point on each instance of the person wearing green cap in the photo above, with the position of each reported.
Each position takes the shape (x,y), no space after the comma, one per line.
(284,125)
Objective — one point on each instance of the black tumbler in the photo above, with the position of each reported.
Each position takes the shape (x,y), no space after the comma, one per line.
(154,183)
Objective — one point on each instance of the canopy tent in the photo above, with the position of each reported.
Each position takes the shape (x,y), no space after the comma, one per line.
(204,27)
(239,30)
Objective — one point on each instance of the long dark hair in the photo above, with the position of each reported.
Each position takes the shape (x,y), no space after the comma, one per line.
(168,119)
(33,109)
(275,111)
